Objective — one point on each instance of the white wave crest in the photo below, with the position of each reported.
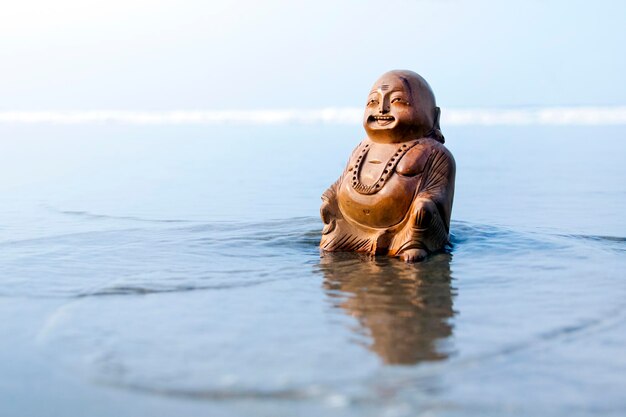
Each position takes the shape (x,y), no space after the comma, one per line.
(615,115)
(537,116)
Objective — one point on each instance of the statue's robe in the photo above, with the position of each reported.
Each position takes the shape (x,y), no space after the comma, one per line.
(408,207)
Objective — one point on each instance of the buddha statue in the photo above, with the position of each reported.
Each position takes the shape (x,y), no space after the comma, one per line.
(395,195)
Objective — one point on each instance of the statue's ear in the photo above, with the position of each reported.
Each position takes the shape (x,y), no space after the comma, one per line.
(436,129)
(437,116)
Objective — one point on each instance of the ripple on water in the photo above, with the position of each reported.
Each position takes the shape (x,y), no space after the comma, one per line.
(212,256)
(274,320)
(157,259)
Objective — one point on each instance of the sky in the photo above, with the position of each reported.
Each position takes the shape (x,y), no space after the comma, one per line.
(221,55)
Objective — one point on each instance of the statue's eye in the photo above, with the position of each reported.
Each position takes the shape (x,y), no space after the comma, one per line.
(399,100)
(372,101)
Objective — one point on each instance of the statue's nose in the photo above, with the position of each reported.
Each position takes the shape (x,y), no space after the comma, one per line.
(384,106)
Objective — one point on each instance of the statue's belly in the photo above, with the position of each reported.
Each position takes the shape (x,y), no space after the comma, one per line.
(384,209)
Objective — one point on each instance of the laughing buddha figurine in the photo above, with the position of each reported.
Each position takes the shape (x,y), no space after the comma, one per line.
(395,195)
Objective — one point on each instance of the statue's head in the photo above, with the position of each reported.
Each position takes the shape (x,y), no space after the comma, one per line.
(400,107)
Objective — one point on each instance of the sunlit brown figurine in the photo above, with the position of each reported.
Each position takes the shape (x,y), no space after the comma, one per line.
(395,195)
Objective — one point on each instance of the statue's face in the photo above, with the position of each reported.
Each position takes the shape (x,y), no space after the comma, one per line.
(395,111)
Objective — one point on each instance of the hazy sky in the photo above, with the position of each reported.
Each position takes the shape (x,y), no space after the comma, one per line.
(250,54)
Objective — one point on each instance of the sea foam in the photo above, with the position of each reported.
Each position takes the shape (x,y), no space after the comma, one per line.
(615,115)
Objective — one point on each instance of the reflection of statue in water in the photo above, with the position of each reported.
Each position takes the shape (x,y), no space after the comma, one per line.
(395,195)
(404,309)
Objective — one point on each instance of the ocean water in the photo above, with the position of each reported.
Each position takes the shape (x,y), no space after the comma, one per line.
(174,270)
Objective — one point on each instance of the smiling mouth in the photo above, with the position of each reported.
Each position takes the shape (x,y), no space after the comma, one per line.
(382,120)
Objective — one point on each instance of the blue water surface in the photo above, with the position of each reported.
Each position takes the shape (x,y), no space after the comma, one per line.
(175,271)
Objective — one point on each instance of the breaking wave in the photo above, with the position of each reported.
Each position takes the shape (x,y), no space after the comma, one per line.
(559,116)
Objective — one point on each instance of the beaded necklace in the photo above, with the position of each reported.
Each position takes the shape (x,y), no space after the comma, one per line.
(389,169)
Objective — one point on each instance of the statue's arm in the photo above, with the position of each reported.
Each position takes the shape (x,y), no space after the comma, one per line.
(330,194)
(330,206)
(428,232)
(329,211)
(437,182)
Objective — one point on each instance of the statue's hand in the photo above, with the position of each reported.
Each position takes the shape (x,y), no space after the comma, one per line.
(328,217)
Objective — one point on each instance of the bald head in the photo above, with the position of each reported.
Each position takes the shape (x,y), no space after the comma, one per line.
(401,106)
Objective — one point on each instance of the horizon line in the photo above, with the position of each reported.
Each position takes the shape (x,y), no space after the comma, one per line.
(556,115)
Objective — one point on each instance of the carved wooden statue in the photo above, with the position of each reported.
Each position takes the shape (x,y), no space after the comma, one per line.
(395,195)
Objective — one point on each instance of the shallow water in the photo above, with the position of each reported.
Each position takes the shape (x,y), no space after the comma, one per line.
(175,271)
